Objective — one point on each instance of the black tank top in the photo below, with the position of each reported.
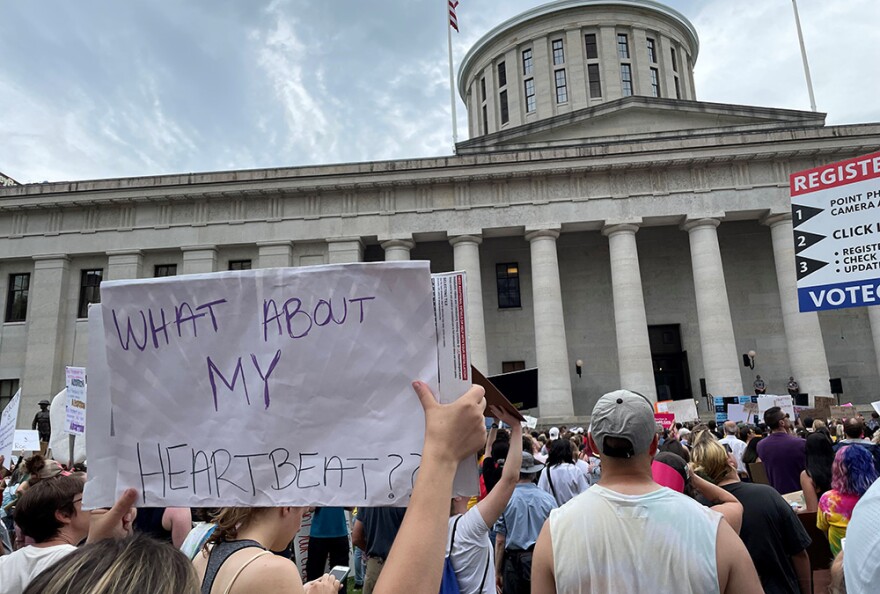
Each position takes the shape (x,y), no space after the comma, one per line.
(149,521)
(219,554)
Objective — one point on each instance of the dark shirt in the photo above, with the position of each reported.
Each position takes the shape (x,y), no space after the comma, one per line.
(149,521)
(772,534)
(380,528)
(491,473)
(784,458)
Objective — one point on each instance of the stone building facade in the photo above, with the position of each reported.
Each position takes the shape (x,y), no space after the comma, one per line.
(648,237)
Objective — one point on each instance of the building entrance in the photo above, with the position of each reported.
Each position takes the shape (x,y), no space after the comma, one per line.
(671,373)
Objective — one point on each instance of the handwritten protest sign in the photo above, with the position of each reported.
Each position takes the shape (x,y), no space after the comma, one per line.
(768,401)
(8,420)
(842,412)
(684,410)
(738,414)
(262,388)
(75,419)
(26,441)
(665,420)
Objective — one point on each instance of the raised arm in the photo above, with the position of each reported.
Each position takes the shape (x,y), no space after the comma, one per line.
(452,433)
(495,502)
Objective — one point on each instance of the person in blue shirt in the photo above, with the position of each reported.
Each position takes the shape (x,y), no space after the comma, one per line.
(328,539)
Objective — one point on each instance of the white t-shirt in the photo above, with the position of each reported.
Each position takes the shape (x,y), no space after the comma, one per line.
(861,565)
(568,481)
(18,569)
(472,550)
(604,541)
(738,448)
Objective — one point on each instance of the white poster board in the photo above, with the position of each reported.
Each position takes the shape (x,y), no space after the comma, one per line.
(26,441)
(876,406)
(75,409)
(738,414)
(263,388)
(684,410)
(768,401)
(836,225)
(8,421)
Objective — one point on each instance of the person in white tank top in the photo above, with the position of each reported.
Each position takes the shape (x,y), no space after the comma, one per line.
(629,534)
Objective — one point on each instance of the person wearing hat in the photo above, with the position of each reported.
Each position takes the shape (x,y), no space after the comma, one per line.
(629,534)
(43,425)
(518,527)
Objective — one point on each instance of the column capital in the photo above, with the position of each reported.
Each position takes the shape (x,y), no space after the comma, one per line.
(541,233)
(774,219)
(406,244)
(609,230)
(691,224)
(453,241)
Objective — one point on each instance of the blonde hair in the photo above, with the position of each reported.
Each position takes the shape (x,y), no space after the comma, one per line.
(120,566)
(230,520)
(710,457)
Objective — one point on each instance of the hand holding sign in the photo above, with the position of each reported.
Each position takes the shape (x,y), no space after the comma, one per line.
(452,431)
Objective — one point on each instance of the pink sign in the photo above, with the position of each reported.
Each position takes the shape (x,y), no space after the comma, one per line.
(666,420)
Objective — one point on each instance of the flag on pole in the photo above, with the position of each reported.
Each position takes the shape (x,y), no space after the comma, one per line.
(453,20)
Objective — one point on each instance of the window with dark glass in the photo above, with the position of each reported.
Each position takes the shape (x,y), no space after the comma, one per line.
(239,265)
(502,74)
(485,120)
(677,89)
(622,46)
(89,290)
(505,112)
(655,82)
(561,87)
(511,366)
(165,270)
(674,60)
(558,52)
(483,89)
(507,277)
(626,79)
(592,46)
(8,388)
(595,83)
(530,95)
(652,51)
(17,297)
(527,61)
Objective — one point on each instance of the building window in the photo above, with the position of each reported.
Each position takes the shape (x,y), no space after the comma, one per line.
(622,46)
(505,112)
(485,120)
(89,290)
(507,276)
(626,79)
(527,61)
(8,388)
(677,89)
(165,270)
(530,95)
(239,265)
(511,366)
(674,60)
(655,82)
(595,83)
(652,51)
(502,74)
(561,87)
(483,89)
(592,46)
(558,52)
(17,297)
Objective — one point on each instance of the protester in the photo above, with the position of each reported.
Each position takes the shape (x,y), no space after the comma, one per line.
(674,446)
(517,529)
(852,474)
(166,524)
(774,537)
(861,563)
(628,534)
(854,434)
(498,443)
(51,514)
(375,530)
(736,446)
(469,548)
(328,542)
(561,477)
(816,477)
(782,453)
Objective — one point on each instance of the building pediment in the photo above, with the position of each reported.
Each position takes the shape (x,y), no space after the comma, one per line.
(638,118)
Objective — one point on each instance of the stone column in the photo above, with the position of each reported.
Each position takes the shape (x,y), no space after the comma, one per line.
(466,257)
(122,264)
(397,249)
(274,254)
(717,342)
(199,259)
(806,348)
(551,348)
(630,319)
(344,250)
(48,315)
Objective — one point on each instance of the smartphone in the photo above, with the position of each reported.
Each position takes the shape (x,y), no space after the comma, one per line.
(340,572)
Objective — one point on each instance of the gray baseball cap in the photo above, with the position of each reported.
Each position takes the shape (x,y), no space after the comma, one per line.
(625,415)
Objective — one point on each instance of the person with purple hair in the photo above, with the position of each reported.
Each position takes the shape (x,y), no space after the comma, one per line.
(852,474)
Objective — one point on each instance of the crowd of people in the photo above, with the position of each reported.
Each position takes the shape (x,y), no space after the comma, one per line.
(619,506)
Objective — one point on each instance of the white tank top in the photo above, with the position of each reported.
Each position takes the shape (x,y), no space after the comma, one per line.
(604,541)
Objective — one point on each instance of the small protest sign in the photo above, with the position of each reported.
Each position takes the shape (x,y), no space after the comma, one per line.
(684,410)
(876,406)
(529,422)
(750,408)
(841,412)
(738,414)
(8,421)
(665,420)
(75,418)
(26,440)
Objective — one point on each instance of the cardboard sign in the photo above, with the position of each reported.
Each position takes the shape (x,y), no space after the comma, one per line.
(494,397)
(665,420)
(288,386)
(26,440)
(8,421)
(75,417)
(842,412)
(518,387)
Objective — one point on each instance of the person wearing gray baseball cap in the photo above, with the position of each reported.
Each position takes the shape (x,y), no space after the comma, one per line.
(629,534)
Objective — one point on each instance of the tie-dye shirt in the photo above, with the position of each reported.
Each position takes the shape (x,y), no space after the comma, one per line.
(835,510)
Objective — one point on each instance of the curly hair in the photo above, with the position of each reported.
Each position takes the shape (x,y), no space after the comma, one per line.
(229,521)
(853,470)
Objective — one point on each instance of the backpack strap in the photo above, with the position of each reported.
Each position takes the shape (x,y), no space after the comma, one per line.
(486,571)
(452,539)
(550,480)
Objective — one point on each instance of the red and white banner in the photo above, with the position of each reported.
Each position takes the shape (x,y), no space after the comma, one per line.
(453,20)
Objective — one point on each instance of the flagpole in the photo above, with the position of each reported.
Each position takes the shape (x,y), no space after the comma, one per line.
(451,81)
(797,21)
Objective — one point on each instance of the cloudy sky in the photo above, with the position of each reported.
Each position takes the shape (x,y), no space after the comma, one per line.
(94,89)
